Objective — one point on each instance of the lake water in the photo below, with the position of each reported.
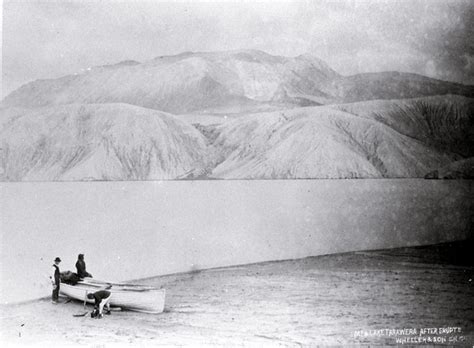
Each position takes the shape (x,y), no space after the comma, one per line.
(131,230)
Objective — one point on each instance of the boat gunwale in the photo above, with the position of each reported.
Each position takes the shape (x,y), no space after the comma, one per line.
(118,289)
(72,291)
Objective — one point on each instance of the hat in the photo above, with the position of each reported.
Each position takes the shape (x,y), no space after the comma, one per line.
(57,259)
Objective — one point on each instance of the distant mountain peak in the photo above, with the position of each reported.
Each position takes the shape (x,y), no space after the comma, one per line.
(240,54)
(179,55)
(250,76)
(127,62)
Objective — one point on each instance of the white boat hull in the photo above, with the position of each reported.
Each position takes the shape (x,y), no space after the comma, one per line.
(140,299)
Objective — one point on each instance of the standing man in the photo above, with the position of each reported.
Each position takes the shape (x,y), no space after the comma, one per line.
(101,298)
(55,280)
(81,267)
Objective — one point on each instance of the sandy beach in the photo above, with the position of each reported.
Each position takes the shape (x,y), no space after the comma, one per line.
(359,298)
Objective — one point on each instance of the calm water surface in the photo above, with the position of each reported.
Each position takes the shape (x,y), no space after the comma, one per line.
(131,230)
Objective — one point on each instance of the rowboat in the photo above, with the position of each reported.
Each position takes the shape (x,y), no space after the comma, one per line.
(135,297)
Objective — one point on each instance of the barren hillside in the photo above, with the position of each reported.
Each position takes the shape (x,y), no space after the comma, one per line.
(239,114)
(233,81)
(324,142)
(97,142)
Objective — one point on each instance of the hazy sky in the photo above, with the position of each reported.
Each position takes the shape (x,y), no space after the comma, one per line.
(46,39)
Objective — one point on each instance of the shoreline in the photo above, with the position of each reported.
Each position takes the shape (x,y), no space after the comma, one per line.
(165,227)
(223,268)
(322,300)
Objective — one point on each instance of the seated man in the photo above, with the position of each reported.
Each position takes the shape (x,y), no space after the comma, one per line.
(81,267)
(101,298)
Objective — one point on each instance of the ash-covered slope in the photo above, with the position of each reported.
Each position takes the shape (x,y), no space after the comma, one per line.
(183,83)
(96,142)
(397,138)
(234,81)
(445,123)
(396,85)
(326,142)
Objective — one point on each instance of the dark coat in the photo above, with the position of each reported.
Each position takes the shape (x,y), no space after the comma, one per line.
(57,275)
(100,295)
(81,269)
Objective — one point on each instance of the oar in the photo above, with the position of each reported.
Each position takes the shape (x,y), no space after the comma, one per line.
(84,312)
(105,282)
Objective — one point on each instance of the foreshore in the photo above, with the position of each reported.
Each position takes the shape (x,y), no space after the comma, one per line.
(413,296)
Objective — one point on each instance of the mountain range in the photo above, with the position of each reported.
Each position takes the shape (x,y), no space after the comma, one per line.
(191,82)
(254,116)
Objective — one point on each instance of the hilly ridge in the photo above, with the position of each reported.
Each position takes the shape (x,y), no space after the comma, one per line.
(445,123)
(125,142)
(239,114)
(201,82)
(396,85)
(96,142)
(321,142)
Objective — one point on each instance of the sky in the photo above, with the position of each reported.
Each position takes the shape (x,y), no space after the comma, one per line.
(49,39)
